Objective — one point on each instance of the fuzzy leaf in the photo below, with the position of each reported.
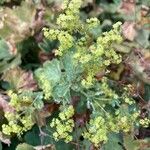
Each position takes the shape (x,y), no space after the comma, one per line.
(69,66)
(20,22)
(130,143)
(51,70)
(32,137)
(113,142)
(61,90)
(24,146)
(143,38)
(6,65)
(4,50)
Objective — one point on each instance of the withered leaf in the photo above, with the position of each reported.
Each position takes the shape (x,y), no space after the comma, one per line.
(127,6)
(128,30)
(43,56)
(4,139)
(139,61)
(82,118)
(4,104)
(47,111)
(20,79)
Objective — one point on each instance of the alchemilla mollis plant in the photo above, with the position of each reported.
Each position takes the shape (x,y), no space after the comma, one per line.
(81,67)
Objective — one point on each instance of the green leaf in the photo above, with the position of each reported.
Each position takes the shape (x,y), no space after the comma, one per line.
(32,137)
(62,145)
(1,148)
(145,2)
(51,70)
(69,66)
(4,50)
(143,38)
(47,45)
(62,91)
(113,142)
(5,65)
(147,92)
(14,142)
(24,146)
(38,104)
(117,1)
(130,143)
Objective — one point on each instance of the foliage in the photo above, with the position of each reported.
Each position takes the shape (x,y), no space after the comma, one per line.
(74,74)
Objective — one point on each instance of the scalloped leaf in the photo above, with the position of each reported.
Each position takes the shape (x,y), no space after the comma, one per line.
(4,50)
(51,70)
(20,79)
(20,21)
(113,142)
(69,66)
(130,143)
(24,146)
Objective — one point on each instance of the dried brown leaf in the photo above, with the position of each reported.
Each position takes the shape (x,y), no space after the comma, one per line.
(128,30)
(45,56)
(75,100)
(22,21)
(127,6)
(82,118)
(4,104)
(20,79)
(139,61)
(4,139)
(47,111)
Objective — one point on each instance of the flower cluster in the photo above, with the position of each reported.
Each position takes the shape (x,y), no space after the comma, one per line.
(16,100)
(66,42)
(21,119)
(122,121)
(92,23)
(64,38)
(95,56)
(107,90)
(45,85)
(97,131)
(64,125)
(145,122)
(125,120)
(99,127)
(70,20)
(17,124)
(111,36)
